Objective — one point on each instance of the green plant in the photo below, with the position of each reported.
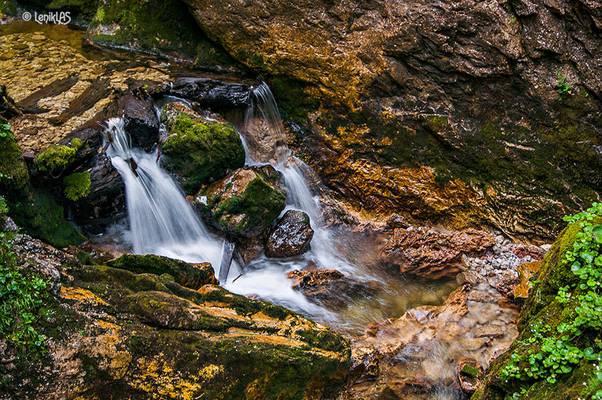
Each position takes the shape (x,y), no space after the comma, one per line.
(22,298)
(5,131)
(554,351)
(58,157)
(3,208)
(77,185)
(562,86)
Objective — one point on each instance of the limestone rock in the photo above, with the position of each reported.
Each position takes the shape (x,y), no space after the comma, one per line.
(290,236)
(140,119)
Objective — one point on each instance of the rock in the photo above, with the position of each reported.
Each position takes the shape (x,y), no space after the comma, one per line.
(105,202)
(199,151)
(468,375)
(207,92)
(427,137)
(290,236)
(140,119)
(331,287)
(192,276)
(8,108)
(144,335)
(244,204)
(431,253)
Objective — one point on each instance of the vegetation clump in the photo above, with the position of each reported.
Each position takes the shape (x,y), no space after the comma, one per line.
(13,171)
(55,159)
(564,326)
(77,185)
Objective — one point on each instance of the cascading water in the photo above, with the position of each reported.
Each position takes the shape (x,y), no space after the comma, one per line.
(161,220)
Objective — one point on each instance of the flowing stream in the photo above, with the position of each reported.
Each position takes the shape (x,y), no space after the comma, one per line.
(162,222)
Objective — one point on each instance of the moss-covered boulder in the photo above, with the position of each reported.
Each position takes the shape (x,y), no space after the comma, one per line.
(114,334)
(245,204)
(13,171)
(199,151)
(189,275)
(558,352)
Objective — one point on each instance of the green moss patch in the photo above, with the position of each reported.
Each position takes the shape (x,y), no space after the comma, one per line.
(200,152)
(77,185)
(57,158)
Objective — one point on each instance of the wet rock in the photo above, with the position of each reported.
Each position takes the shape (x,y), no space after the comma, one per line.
(207,92)
(141,334)
(526,273)
(291,236)
(468,375)
(199,151)
(140,119)
(245,204)
(192,276)
(432,253)
(331,287)
(105,202)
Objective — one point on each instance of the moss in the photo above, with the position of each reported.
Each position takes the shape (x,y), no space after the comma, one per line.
(77,185)
(189,275)
(43,217)
(295,98)
(57,158)
(201,152)
(14,177)
(251,211)
(157,27)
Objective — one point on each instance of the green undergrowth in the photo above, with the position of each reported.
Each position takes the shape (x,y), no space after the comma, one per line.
(56,158)
(563,334)
(22,298)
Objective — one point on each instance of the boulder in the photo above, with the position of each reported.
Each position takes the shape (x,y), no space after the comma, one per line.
(290,236)
(433,253)
(207,92)
(244,204)
(331,287)
(192,276)
(140,119)
(199,151)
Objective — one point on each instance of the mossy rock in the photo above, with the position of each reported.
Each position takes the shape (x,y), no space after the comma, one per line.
(199,152)
(77,185)
(42,216)
(157,27)
(57,158)
(189,275)
(245,204)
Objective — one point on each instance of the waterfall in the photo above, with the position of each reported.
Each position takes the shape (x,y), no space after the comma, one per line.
(263,108)
(160,219)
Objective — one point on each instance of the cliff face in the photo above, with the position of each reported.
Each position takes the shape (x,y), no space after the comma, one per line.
(462,112)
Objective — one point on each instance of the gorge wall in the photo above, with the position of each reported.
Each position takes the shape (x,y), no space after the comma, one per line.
(463,112)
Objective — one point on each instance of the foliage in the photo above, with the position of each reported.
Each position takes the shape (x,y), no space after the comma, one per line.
(3,208)
(58,157)
(13,172)
(77,185)
(5,131)
(22,299)
(555,351)
(562,86)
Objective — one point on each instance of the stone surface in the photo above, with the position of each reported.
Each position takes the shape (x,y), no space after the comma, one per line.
(331,287)
(429,110)
(433,253)
(142,335)
(139,119)
(245,204)
(290,236)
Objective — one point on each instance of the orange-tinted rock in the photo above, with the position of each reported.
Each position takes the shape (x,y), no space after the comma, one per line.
(433,253)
